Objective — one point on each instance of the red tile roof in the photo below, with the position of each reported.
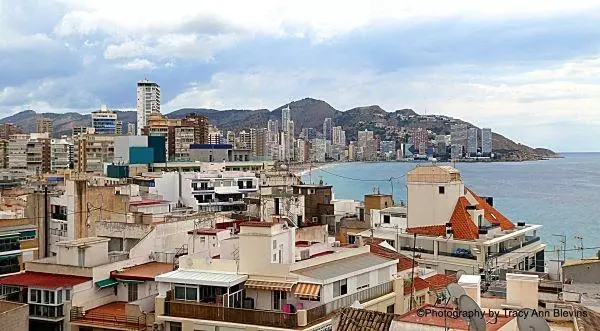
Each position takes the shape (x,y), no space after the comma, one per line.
(462,225)
(430,230)
(420,284)
(437,319)
(491,214)
(439,281)
(143,272)
(404,263)
(43,280)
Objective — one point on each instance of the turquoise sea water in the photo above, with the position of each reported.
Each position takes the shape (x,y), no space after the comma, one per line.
(561,194)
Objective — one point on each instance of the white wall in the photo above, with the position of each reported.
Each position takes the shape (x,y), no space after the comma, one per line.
(427,207)
(122,144)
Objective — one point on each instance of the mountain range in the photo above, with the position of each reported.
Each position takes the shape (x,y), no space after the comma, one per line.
(305,113)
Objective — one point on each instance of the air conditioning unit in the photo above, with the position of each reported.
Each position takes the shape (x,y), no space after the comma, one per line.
(305,254)
(336,244)
(230,200)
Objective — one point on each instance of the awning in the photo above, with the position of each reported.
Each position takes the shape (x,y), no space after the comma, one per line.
(269,286)
(306,290)
(108,282)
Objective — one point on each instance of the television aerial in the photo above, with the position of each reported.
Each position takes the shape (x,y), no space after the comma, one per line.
(527,320)
(471,312)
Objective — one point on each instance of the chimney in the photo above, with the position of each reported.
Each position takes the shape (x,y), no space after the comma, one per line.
(472,286)
(522,291)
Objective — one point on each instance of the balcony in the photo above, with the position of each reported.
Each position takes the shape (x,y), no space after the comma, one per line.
(270,318)
(233,315)
(462,255)
(9,269)
(10,246)
(109,316)
(528,241)
(46,311)
(320,312)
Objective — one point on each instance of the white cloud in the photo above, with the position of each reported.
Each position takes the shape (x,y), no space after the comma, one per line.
(138,64)
(324,18)
(128,49)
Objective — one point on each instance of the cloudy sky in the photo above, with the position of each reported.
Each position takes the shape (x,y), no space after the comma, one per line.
(528,69)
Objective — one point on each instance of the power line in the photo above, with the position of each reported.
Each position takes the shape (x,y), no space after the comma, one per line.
(361,179)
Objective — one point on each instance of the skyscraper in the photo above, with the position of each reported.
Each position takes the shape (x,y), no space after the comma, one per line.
(338,136)
(367,148)
(458,137)
(472,142)
(486,141)
(148,101)
(286,116)
(104,121)
(328,129)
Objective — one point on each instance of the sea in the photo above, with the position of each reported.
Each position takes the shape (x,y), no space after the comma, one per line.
(562,194)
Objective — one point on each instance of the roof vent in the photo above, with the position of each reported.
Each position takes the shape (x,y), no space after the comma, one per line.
(520,223)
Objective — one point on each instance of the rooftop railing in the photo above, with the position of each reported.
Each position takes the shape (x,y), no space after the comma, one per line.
(121,322)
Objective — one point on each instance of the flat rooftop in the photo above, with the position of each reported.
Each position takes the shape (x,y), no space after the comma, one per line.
(143,272)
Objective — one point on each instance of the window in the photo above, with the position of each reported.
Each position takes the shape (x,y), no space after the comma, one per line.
(340,288)
(51,297)
(386,219)
(351,239)
(132,292)
(174,326)
(46,296)
(279,298)
(68,294)
(179,292)
(35,296)
(274,244)
(441,189)
(191,294)
(274,257)
(390,309)
(362,281)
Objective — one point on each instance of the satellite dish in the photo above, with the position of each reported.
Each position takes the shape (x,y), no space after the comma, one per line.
(455,291)
(527,320)
(471,312)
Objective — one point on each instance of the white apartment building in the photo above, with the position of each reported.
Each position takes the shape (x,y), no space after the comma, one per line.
(265,280)
(61,153)
(208,190)
(17,151)
(456,229)
(148,101)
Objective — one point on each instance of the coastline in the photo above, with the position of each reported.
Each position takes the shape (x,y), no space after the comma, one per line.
(304,169)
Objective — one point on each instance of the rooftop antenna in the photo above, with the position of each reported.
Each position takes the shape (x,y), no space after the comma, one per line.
(471,313)
(529,320)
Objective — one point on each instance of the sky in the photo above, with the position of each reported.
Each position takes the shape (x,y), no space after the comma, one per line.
(528,69)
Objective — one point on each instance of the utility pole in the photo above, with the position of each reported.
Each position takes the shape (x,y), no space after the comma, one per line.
(46,222)
(580,247)
(412,276)
(563,242)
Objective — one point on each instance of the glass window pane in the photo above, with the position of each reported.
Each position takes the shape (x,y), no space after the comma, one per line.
(179,292)
(191,293)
